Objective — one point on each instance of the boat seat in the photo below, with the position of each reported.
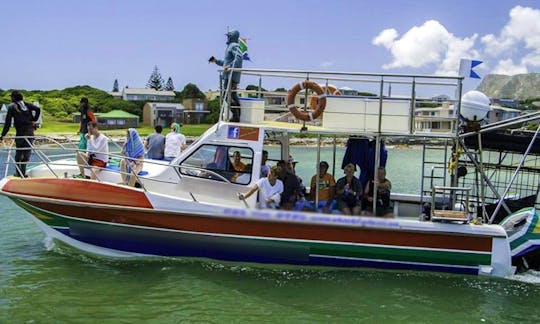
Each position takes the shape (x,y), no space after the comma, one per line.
(449,215)
(117,169)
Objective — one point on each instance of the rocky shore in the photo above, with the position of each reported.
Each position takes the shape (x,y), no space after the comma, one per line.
(294,141)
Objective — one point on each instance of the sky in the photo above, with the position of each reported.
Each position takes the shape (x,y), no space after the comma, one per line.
(57,44)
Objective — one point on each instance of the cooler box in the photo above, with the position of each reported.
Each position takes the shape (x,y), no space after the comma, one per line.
(251,110)
(362,114)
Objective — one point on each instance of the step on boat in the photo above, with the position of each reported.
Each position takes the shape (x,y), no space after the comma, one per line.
(190,206)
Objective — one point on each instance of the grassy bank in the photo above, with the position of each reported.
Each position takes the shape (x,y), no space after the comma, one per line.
(56,127)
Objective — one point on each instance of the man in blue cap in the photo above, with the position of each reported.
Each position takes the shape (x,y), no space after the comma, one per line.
(232,59)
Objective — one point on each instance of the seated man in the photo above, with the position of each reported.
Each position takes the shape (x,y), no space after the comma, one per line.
(97,153)
(237,165)
(132,163)
(324,191)
(349,192)
(384,186)
(291,186)
(270,189)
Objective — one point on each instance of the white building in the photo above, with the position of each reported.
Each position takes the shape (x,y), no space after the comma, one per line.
(3,113)
(144,94)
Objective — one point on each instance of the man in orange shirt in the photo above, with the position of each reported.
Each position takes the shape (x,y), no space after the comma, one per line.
(325,190)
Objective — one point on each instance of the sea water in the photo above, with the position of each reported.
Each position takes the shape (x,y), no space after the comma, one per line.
(42,281)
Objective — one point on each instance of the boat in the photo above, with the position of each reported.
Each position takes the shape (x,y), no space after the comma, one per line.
(475,213)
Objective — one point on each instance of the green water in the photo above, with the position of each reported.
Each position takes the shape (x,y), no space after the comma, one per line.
(40,283)
(403,165)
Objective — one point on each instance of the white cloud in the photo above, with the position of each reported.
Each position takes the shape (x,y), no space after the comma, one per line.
(523,26)
(513,50)
(326,64)
(430,43)
(508,67)
(531,59)
(385,38)
(419,46)
(456,50)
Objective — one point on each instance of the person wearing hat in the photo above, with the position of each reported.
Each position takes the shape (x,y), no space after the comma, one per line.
(291,186)
(175,143)
(232,59)
(87,115)
(324,189)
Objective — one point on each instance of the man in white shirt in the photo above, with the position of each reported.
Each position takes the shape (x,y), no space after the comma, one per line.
(270,189)
(175,143)
(97,154)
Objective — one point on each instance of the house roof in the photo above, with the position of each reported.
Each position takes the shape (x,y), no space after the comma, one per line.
(146,91)
(174,105)
(117,114)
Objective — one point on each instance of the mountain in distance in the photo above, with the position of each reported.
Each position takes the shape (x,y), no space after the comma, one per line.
(520,86)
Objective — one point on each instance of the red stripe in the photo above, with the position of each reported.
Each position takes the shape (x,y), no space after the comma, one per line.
(78,190)
(232,226)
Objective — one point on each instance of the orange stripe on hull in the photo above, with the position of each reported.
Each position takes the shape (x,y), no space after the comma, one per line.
(78,190)
(272,229)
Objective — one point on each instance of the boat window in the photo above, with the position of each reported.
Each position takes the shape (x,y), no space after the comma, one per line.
(220,162)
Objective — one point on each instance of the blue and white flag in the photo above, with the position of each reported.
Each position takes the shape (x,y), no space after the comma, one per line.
(466,67)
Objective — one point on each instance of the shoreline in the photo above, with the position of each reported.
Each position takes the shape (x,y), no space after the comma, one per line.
(63,138)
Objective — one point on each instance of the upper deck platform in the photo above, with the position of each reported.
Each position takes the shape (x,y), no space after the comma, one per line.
(382,104)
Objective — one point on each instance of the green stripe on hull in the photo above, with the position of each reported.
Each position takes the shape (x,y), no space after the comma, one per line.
(44,216)
(401,254)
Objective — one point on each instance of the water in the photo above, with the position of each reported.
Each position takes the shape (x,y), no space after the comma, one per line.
(44,282)
(403,166)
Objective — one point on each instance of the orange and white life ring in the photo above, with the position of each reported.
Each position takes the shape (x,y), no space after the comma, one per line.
(329,90)
(321,104)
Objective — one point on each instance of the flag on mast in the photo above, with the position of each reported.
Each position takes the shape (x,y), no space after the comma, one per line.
(466,68)
(242,43)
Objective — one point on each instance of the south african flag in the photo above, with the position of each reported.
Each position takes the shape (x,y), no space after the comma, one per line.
(244,48)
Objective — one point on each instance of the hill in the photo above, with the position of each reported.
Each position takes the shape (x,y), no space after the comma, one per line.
(61,104)
(521,87)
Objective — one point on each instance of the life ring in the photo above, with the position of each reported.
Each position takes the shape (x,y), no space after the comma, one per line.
(329,90)
(307,116)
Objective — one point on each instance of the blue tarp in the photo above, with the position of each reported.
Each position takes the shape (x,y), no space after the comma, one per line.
(361,152)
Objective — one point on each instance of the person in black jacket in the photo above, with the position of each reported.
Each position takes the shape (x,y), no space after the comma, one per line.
(25,116)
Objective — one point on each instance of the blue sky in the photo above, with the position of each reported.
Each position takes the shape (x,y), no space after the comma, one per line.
(57,44)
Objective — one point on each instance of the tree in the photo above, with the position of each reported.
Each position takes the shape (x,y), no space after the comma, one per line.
(115,86)
(192,91)
(156,81)
(281,90)
(169,86)
(253,87)
(213,116)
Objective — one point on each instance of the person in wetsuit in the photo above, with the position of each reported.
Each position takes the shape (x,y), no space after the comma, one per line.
(25,116)
(232,59)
